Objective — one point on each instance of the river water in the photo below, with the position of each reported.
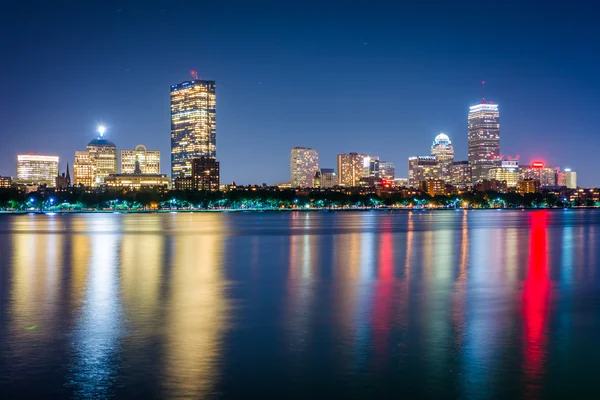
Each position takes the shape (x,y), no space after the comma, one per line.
(438,304)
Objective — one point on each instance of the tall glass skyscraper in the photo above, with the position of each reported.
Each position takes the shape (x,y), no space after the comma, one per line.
(193,124)
(484,139)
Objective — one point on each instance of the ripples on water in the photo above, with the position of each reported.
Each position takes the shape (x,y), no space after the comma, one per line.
(457,304)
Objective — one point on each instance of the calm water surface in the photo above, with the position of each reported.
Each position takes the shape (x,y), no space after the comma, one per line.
(455,304)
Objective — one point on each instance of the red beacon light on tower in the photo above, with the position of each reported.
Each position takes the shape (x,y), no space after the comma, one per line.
(537,164)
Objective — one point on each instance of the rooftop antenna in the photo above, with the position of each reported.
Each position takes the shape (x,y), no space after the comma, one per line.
(194,75)
(482,92)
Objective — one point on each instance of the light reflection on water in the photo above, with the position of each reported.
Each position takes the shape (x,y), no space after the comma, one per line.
(359,304)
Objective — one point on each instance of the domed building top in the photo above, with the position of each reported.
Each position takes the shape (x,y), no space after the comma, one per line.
(442,138)
(101,142)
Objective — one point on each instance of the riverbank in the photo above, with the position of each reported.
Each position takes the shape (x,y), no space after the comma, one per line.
(246,210)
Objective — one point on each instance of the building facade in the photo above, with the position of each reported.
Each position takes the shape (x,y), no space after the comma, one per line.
(387,170)
(137,181)
(5,182)
(352,167)
(422,168)
(149,160)
(484,139)
(304,164)
(329,178)
(93,165)
(205,174)
(459,174)
(507,171)
(193,124)
(443,151)
(546,175)
(37,169)
(570,179)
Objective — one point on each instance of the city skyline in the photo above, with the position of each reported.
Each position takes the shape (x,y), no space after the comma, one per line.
(265,83)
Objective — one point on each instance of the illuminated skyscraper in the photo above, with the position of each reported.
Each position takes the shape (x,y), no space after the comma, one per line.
(96,163)
(148,160)
(352,167)
(193,124)
(422,168)
(36,169)
(484,139)
(304,164)
(443,151)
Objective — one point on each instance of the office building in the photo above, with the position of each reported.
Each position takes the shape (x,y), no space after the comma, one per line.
(137,181)
(304,164)
(329,178)
(205,174)
(443,151)
(484,139)
(96,163)
(5,182)
(387,170)
(459,174)
(374,167)
(433,187)
(351,167)
(546,175)
(193,124)
(149,160)
(83,169)
(37,169)
(507,171)
(526,186)
(422,168)
(571,179)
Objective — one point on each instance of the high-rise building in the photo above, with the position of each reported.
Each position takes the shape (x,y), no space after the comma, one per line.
(484,139)
(193,124)
(507,171)
(352,167)
(96,163)
(387,170)
(83,169)
(546,175)
(205,174)
(304,163)
(459,174)
(443,151)
(571,179)
(37,169)
(329,178)
(149,160)
(422,168)
(374,167)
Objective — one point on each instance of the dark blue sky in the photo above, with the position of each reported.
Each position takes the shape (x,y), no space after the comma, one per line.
(337,76)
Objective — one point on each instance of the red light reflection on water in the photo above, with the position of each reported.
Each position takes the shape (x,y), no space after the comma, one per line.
(536,304)
(382,307)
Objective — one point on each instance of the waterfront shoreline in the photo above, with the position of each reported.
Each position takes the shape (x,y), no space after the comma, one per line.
(241,210)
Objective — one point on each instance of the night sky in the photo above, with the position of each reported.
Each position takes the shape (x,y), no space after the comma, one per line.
(371,77)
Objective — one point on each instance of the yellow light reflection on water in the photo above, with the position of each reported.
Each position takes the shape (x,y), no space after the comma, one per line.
(198,307)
